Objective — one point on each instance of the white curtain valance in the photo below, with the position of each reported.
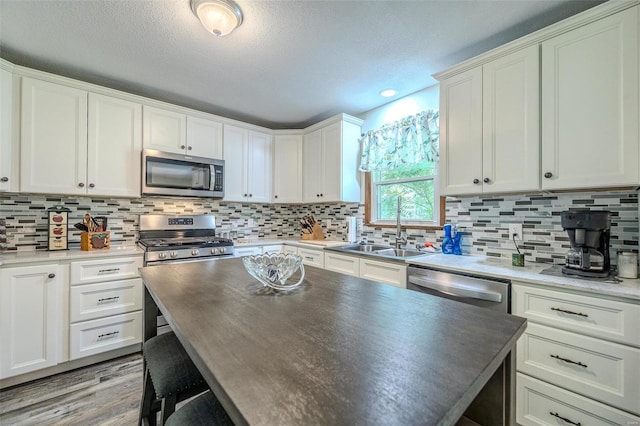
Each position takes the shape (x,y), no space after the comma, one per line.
(407,141)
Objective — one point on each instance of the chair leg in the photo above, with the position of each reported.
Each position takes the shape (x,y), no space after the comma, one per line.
(168,408)
(147,415)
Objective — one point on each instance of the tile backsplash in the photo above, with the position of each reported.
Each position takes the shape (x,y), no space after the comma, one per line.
(483,220)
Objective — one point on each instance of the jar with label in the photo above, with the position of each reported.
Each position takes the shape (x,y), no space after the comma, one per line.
(627,264)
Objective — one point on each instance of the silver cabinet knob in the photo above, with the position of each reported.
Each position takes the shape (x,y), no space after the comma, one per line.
(189,148)
(182,147)
(4,179)
(81,185)
(548,175)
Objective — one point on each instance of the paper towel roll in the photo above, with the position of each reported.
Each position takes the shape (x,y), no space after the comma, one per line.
(352,225)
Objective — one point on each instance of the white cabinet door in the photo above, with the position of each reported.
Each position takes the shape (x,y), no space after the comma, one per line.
(259,167)
(590,105)
(287,169)
(235,177)
(331,162)
(510,128)
(247,156)
(164,130)
(349,265)
(384,272)
(53,147)
(6,131)
(30,318)
(461,133)
(312,167)
(204,137)
(115,143)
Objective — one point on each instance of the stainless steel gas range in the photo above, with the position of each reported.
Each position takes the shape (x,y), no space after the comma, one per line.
(184,238)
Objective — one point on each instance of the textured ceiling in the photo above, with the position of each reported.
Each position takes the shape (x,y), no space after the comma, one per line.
(290,64)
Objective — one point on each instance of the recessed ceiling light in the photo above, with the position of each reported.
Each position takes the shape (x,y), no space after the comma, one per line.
(388,93)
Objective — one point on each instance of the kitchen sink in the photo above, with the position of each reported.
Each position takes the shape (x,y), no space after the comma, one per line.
(377,250)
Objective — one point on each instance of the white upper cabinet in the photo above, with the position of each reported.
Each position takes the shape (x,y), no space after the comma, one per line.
(77,143)
(590,105)
(178,133)
(247,156)
(489,123)
(53,143)
(287,169)
(330,162)
(115,144)
(204,137)
(8,181)
(164,130)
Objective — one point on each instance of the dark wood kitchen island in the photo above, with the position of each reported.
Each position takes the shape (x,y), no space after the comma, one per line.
(339,350)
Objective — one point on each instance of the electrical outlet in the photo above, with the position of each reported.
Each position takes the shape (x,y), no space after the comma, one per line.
(515,229)
(250,223)
(328,223)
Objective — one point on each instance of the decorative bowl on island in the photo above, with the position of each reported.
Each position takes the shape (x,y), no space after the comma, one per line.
(274,269)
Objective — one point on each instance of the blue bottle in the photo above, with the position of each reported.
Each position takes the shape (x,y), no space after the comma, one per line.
(457,242)
(447,242)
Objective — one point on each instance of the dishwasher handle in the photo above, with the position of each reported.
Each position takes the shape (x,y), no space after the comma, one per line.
(459,290)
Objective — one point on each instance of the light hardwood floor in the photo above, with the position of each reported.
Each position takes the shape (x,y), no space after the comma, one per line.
(103,394)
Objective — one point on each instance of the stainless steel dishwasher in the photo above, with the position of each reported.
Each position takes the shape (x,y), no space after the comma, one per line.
(485,292)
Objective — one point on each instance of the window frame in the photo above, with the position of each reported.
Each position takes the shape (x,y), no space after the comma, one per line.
(377,223)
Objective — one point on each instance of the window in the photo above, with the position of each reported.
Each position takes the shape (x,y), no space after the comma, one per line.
(401,161)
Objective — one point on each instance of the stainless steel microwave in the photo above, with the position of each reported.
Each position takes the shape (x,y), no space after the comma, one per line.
(164,173)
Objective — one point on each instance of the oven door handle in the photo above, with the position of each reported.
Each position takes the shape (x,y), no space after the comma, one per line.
(458,290)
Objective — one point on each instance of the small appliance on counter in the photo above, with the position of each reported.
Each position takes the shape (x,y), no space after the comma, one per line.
(58,232)
(589,234)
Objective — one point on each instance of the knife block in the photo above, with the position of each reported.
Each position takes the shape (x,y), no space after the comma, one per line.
(316,233)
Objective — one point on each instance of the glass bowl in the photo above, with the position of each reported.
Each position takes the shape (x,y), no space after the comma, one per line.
(274,269)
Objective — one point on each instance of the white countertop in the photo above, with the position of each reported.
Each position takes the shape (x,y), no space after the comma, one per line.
(17,258)
(530,273)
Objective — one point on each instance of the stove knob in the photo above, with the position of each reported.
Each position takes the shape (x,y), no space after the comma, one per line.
(173,254)
(162,255)
(195,252)
(214,251)
(222,250)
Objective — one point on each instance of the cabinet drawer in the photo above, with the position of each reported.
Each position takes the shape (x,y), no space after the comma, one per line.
(312,257)
(246,251)
(384,272)
(539,403)
(98,270)
(607,319)
(99,300)
(344,264)
(290,249)
(105,334)
(605,371)
(272,249)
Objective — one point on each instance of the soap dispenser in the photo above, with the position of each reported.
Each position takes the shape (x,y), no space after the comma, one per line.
(447,242)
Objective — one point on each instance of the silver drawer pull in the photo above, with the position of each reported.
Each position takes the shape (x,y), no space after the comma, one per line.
(564,419)
(112,334)
(570,312)
(109,299)
(308,258)
(568,360)
(104,271)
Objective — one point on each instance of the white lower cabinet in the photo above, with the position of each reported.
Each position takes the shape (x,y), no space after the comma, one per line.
(579,358)
(384,272)
(31,317)
(246,251)
(105,334)
(105,305)
(539,403)
(274,248)
(340,263)
(311,257)
(289,249)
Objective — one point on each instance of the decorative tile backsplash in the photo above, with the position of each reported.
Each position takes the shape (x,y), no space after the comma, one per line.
(483,220)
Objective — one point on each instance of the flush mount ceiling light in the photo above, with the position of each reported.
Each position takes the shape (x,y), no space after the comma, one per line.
(388,93)
(219,17)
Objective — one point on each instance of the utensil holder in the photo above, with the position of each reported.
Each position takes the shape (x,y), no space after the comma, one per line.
(95,240)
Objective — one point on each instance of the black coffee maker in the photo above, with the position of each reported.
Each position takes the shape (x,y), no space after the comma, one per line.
(589,232)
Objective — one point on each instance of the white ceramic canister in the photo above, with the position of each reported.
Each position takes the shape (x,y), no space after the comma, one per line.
(627,264)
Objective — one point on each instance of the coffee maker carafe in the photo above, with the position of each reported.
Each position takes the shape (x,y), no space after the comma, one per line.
(589,232)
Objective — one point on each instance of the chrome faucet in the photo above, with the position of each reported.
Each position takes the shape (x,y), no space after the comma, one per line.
(400,239)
